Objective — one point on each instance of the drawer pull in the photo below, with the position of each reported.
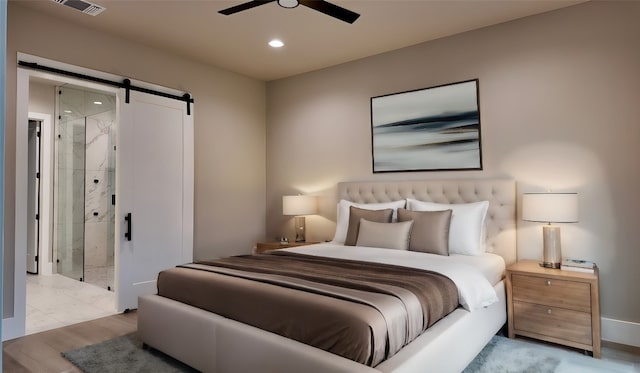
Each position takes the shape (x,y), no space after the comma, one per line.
(548,282)
(549,311)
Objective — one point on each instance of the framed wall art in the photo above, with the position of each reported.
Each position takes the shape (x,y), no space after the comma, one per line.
(429,129)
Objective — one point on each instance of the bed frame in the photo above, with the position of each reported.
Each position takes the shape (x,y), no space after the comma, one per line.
(211,343)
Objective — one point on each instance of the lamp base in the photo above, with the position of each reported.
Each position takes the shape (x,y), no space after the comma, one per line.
(299,225)
(550,265)
(551,252)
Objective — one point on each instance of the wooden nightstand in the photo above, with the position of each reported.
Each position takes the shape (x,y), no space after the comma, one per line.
(264,246)
(553,305)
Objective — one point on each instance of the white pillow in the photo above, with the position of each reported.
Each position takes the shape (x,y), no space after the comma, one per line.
(385,235)
(466,232)
(342,224)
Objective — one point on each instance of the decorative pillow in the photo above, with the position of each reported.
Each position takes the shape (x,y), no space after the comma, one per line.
(466,231)
(355,214)
(430,233)
(342,222)
(385,235)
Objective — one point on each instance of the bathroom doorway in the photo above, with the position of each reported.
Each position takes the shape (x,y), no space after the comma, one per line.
(71,218)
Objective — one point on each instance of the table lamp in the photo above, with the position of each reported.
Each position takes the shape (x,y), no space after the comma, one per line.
(550,208)
(299,206)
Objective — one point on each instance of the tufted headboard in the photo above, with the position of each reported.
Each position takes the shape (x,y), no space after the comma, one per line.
(501,194)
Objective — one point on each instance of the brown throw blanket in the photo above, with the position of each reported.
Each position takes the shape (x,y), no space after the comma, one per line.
(363,311)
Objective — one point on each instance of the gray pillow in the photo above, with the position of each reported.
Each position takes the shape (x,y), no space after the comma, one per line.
(430,232)
(355,214)
(386,235)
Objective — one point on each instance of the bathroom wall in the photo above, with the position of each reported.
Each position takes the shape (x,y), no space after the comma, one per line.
(99,215)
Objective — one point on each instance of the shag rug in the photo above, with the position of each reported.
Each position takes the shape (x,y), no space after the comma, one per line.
(504,355)
(123,354)
(501,355)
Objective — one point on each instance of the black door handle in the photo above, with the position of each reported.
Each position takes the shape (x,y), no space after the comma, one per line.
(128,234)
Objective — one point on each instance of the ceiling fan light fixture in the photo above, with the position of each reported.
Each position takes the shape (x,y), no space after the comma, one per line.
(321,6)
(288,3)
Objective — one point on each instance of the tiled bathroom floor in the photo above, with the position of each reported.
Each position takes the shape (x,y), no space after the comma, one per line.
(101,276)
(56,301)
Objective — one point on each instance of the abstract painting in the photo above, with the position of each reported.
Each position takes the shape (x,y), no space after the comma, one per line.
(429,129)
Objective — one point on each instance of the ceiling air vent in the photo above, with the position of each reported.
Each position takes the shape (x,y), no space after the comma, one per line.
(83,6)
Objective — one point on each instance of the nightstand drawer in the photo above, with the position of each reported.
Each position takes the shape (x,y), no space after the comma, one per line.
(553,322)
(552,292)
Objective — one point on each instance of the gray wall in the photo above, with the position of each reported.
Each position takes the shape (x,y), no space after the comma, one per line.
(559,96)
(229,128)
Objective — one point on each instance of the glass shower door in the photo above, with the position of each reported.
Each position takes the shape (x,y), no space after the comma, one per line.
(85,185)
(70,185)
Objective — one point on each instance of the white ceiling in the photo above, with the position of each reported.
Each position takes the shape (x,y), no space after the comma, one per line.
(194,29)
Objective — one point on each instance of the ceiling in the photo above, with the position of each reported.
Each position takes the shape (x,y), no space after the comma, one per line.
(195,30)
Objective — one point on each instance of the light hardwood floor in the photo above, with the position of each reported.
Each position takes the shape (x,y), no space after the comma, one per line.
(41,352)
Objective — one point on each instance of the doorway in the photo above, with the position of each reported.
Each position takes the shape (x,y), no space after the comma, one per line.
(69,271)
(33,203)
(151,120)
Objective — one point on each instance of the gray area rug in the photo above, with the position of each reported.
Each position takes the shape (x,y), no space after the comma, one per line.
(501,355)
(504,355)
(123,354)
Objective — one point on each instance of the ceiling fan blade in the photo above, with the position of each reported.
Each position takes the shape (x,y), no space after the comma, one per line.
(331,10)
(244,6)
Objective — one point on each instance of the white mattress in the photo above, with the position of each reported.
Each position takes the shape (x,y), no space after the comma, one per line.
(490,265)
(475,276)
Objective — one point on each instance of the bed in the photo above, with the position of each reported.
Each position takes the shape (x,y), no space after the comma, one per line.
(212,343)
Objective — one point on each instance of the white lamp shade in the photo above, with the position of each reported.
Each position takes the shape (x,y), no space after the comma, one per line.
(550,207)
(299,205)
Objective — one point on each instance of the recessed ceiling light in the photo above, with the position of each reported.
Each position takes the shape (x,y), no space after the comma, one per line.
(288,3)
(97,102)
(276,43)
(68,111)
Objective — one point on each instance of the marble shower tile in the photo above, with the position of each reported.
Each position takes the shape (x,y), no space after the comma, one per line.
(97,144)
(95,245)
(97,199)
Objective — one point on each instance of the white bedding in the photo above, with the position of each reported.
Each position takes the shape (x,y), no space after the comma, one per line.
(474,276)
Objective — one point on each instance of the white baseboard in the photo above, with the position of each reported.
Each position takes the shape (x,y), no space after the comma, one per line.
(12,327)
(47,269)
(622,332)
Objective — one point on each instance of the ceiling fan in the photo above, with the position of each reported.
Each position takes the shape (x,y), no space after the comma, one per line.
(320,5)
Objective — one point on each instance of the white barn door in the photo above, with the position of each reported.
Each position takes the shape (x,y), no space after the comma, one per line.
(154,193)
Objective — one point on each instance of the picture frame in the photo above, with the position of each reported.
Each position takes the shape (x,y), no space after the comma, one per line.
(427,129)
